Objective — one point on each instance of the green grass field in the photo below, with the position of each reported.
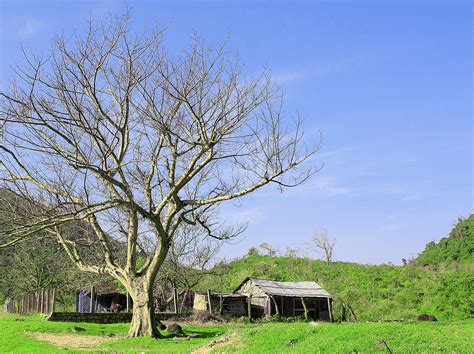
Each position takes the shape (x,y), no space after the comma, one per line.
(35,334)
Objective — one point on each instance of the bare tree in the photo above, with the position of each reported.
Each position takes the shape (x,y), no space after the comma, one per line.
(269,248)
(111,130)
(323,244)
(190,258)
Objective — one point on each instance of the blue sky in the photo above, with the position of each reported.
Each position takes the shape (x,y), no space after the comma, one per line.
(389,85)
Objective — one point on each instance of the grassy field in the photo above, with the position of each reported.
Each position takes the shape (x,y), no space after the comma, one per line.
(35,334)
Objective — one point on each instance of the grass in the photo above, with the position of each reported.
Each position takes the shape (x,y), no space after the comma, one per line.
(15,329)
(452,336)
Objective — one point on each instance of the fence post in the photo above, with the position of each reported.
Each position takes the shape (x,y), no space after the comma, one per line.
(37,296)
(209,300)
(46,307)
(53,305)
(175,297)
(91,306)
(249,307)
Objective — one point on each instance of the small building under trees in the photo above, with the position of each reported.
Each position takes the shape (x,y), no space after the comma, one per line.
(102,297)
(226,304)
(287,299)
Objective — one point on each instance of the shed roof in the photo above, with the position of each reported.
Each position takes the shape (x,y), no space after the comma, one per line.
(287,288)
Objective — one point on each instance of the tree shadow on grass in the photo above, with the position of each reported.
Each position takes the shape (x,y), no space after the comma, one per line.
(209,333)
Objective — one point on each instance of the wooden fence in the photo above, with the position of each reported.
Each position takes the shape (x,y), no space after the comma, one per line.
(41,301)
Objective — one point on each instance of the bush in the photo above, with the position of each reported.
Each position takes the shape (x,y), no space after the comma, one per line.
(205,316)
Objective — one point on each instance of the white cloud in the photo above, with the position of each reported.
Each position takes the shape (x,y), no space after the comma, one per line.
(319,186)
(30,27)
(289,76)
(242,214)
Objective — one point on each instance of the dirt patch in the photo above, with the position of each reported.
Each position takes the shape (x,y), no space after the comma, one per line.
(315,324)
(226,339)
(70,340)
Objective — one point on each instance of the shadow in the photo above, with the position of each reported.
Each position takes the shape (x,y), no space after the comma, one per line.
(210,333)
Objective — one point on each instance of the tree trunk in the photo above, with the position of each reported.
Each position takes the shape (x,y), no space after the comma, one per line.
(143,319)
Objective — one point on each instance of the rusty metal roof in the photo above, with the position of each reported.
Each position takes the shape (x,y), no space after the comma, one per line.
(286,288)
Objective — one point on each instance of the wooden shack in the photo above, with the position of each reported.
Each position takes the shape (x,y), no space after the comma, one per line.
(287,299)
(100,299)
(227,304)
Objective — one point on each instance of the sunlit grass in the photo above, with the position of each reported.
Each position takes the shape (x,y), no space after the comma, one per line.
(451,336)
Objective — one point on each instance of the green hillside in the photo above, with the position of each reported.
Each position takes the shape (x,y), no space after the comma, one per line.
(382,292)
(457,247)
(440,281)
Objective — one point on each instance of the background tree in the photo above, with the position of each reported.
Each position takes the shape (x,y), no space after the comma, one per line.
(110,130)
(269,248)
(191,256)
(42,263)
(323,244)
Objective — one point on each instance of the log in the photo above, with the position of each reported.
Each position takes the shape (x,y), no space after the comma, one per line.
(329,309)
(305,308)
(352,313)
(277,311)
(175,297)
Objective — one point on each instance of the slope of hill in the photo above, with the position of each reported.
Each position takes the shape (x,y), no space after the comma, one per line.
(382,292)
(457,247)
(440,281)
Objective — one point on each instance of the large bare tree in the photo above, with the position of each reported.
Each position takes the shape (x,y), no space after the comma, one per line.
(111,130)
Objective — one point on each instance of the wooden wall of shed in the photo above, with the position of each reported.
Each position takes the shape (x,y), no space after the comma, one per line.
(231,306)
(292,306)
(259,298)
(200,302)
(234,306)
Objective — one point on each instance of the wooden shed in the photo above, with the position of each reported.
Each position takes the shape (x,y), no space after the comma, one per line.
(100,298)
(221,303)
(287,299)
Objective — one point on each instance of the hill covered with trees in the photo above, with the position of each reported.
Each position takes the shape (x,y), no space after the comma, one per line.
(440,281)
(457,247)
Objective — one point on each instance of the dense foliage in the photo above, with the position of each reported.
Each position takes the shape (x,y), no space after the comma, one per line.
(457,247)
(439,282)
(375,292)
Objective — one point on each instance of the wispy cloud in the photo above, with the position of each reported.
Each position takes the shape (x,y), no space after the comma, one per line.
(29,28)
(322,186)
(322,68)
(242,214)
(284,77)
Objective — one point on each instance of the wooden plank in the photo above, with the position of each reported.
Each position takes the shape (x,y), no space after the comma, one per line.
(53,304)
(249,307)
(46,301)
(40,301)
(209,300)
